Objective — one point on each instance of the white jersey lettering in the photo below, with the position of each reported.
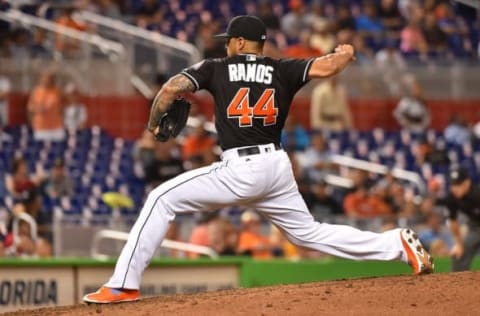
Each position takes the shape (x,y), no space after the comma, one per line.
(232,73)
(250,73)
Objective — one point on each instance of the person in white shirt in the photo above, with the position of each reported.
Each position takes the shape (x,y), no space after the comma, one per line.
(329,109)
(75,114)
(411,111)
(392,66)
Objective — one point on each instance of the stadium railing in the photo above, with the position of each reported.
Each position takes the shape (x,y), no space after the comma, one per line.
(167,243)
(148,51)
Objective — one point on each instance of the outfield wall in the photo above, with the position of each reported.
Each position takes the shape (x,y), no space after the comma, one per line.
(35,283)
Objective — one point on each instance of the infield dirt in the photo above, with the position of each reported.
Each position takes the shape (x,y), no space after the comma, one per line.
(436,294)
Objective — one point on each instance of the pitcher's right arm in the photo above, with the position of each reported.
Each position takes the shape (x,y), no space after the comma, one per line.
(333,63)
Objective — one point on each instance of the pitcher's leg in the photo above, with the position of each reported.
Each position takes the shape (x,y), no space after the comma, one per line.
(198,190)
(290,214)
(144,238)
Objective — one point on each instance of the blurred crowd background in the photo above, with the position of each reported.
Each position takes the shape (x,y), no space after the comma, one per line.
(65,178)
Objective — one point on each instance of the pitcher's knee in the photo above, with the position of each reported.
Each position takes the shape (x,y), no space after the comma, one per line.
(303,237)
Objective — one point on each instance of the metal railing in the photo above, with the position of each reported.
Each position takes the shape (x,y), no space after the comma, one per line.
(149,52)
(167,243)
(398,173)
(140,33)
(110,48)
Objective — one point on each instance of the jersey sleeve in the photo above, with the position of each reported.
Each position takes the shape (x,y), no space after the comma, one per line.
(200,74)
(295,71)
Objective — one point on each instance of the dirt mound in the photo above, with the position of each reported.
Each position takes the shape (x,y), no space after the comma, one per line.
(436,294)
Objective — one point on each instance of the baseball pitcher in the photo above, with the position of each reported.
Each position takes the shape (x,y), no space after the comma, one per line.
(252,98)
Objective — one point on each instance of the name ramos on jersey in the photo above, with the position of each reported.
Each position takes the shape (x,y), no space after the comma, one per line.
(250,73)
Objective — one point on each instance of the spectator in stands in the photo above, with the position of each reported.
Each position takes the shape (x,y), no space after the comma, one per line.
(437,240)
(266,14)
(59,183)
(368,24)
(316,13)
(199,235)
(199,142)
(75,114)
(362,204)
(304,48)
(109,8)
(392,65)
(252,242)
(360,178)
(215,232)
(329,109)
(364,55)
(166,164)
(435,37)
(412,40)
(38,47)
(146,11)
(31,204)
(294,136)
(323,205)
(223,236)
(457,131)
(18,46)
(317,159)
(5,88)
(345,24)
(294,22)
(322,37)
(45,109)
(428,153)
(24,244)
(411,111)
(19,180)
(390,15)
(205,41)
(69,48)
(345,20)
(456,29)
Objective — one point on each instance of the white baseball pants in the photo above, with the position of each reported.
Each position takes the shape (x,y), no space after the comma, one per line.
(263,181)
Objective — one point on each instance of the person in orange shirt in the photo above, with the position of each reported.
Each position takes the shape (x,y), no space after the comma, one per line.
(65,45)
(361,204)
(251,241)
(45,112)
(304,48)
(198,142)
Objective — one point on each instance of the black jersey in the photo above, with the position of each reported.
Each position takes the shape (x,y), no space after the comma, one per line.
(252,95)
(469,205)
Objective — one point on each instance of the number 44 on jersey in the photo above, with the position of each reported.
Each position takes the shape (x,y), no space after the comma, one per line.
(264,108)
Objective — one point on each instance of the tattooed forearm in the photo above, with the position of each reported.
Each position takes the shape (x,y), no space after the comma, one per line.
(176,85)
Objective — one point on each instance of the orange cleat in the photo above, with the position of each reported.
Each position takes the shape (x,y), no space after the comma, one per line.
(418,257)
(106,295)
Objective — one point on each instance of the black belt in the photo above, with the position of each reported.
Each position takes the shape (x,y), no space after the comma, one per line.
(253,150)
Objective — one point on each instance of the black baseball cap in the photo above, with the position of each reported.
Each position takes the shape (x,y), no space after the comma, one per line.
(247,26)
(458,174)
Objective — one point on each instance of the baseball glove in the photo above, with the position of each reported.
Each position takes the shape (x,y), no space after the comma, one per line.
(173,120)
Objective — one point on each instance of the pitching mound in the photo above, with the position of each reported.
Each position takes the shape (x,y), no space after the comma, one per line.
(436,294)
